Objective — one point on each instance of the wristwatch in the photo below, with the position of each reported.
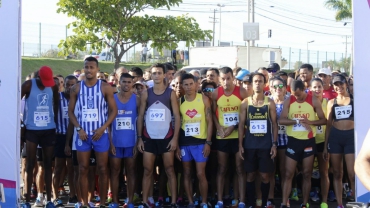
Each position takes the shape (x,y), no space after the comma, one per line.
(22,125)
(236,126)
(78,128)
(209,143)
(274,144)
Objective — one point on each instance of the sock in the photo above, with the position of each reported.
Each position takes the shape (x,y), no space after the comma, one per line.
(265,188)
(40,195)
(251,195)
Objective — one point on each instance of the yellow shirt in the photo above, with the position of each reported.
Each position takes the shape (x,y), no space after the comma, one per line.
(320,130)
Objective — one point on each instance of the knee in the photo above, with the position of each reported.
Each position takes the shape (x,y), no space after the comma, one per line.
(83,170)
(170,171)
(221,170)
(201,176)
(187,173)
(307,175)
(148,172)
(289,175)
(30,166)
(251,176)
(265,177)
(239,170)
(102,169)
(338,174)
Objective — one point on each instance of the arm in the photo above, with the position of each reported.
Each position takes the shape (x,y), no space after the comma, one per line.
(140,120)
(112,147)
(25,91)
(71,108)
(207,109)
(242,117)
(219,129)
(362,162)
(328,128)
(275,128)
(284,120)
(67,147)
(243,93)
(176,114)
(56,102)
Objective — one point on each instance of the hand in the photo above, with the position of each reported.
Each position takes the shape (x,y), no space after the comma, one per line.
(325,154)
(305,120)
(206,150)
(221,132)
(67,150)
(306,124)
(97,133)
(140,145)
(228,131)
(82,134)
(178,154)
(113,149)
(134,153)
(172,146)
(273,152)
(241,152)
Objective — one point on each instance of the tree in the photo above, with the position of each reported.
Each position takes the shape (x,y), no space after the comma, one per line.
(117,24)
(343,8)
(297,65)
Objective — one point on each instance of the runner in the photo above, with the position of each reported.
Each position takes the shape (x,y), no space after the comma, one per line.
(339,137)
(61,159)
(195,137)
(306,75)
(96,110)
(122,134)
(213,75)
(299,115)
(317,89)
(265,72)
(247,84)
(157,136)
(39,120)
(258,114)
(325,75)
(226,101)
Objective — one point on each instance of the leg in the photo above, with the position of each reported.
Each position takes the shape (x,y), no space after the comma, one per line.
(350,163)
(203,183)
(91,185)
(241,177)
(47,154)
(71,183)
(281,155)
(40,182)
(168,160)
(290,166)
(131,177)
(221,172)
(187,180)
(83,167)
(265,186)
(337,166)
(102,170)
(148,164)
(307,166)
(77,186)
(31,149)
(324,178)
(58,169)
(115,167)
(251,188)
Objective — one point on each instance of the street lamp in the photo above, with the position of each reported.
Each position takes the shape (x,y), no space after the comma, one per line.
(220,5)
(308,53)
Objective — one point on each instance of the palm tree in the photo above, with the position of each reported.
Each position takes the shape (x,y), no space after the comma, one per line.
(343,8)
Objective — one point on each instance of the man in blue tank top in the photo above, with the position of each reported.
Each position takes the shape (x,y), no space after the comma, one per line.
(39,120)
(122,134)
(157,136)
(96,110)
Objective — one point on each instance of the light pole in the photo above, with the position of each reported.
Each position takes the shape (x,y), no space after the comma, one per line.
(220,5)
(308,53)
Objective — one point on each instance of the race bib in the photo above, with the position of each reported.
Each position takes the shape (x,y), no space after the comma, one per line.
(299,127)
(157,114)
(342,112)
(41,118)
(192,129)
(123,123)
(258,127)
(65,113)
(231,119)
(282,129)
(319,130)
(89,115)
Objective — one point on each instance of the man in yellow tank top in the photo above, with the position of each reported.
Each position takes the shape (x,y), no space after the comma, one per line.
(195,136)
(226,103)
(299,115)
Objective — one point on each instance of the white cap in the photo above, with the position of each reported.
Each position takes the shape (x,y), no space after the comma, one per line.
(325,71)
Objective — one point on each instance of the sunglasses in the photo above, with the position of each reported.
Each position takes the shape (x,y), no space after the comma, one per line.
(272,70)
(278,86)
(208,89)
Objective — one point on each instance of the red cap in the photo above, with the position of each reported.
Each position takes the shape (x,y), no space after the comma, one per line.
(46,76)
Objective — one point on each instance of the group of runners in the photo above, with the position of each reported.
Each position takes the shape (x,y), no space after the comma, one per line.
(248,127)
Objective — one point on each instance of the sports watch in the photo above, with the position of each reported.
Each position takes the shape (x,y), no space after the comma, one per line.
(209,143)
(78,128)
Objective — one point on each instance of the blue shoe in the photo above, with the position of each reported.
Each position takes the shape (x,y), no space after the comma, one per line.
(50,205)
(331,196)
(314,196)
(130,205)
(241,205)
(113,205)
(78,205)
(58,203)
(26,205)
(219,204)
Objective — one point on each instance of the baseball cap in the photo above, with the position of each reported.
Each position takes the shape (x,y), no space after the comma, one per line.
(273,67)
(282,73)
(46,76)
(242,73)
(247,78)
(325,71)
(339,78)
(140,83)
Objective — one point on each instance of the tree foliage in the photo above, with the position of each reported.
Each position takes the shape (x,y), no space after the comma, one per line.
(343,8)
(117,24)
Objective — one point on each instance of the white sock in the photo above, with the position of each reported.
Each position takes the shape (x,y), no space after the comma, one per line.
(40,195)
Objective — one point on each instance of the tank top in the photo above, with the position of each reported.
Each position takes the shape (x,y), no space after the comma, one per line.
(92,107)
(320,130)
(39,112)
(297,111)
(63,118)
(124,125)
(158,115)
(258,134)
(194,125)
(282,136)
(343,112)
(227,110)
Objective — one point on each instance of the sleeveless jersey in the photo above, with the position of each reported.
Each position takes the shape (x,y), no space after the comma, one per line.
(228,110)
(158,115)
(124,125)
(63,118)
(320,130)
(282,136)
(39,112)
(343,112)
(300,110)
(194,125)
(258,134)
(92,108)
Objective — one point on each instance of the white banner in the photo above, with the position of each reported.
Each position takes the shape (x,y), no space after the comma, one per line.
(10,73)
(361,57)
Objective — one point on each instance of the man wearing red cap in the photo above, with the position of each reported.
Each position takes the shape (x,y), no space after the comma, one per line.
(39,121)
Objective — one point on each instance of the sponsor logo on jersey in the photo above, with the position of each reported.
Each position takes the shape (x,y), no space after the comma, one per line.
(191,113)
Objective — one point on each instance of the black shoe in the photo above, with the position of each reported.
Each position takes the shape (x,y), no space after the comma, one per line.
(173,205)
(72,200)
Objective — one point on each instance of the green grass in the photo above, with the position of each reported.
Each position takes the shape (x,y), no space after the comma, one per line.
(65,67)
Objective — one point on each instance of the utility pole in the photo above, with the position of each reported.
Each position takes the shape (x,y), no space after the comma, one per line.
(252,8)
(214,22)
(346,47)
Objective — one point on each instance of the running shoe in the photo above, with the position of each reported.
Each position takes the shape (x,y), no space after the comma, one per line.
(40,202)
(50,205)
(323,205)
(78,205)
(26,205)
(294,195)
(220,204)
(305,205)
(113,205)
(159,203)
(350,196)
(258,203)
(72,200)
(241,205)
(62,191)
(136,198)
(270,204)
(234,203)
(203,205)
(109,197)
(58,203)
(331,196)
(130,205)
(314,196)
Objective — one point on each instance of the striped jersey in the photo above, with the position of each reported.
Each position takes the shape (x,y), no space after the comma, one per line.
(63,119)
(92,108)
